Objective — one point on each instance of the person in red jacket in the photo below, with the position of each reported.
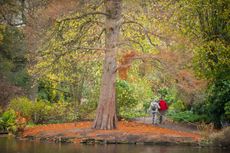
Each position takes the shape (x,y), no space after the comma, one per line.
(163,109)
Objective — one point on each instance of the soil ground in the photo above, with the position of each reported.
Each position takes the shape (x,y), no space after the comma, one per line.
(186,127)
(139,131)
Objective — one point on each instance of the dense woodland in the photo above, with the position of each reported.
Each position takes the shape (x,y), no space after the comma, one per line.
(106,60)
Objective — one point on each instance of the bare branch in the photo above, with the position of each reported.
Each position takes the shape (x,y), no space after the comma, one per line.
(59,30)
(101,33)
(148,33)
(60,90)
(147,56)
(83,16)
(89,48)
(133,41)
(142,27)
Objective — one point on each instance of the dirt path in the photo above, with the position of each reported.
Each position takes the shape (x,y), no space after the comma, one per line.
(186,127)
(127,132)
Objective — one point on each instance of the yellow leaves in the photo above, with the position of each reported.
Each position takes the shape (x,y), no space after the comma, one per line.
(212,58)
(69,35)
(74,23)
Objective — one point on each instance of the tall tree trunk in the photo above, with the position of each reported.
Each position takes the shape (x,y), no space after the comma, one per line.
(106,117)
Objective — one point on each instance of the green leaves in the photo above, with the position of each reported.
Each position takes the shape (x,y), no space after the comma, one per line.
(133,98)
(39,112)
(125,95)
(8,121)
(12,55)
(218,100)
(186,116)
(22,105)
(211,60)
(227,110)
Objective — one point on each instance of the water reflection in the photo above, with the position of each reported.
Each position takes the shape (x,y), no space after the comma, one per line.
(11,145)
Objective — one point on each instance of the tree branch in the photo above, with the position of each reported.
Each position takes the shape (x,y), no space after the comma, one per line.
(60,90)
(58,31)
(132,41)
(101,33)
(83,16)
(142,27)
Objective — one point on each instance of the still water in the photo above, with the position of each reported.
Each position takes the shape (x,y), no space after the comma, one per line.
(11,145)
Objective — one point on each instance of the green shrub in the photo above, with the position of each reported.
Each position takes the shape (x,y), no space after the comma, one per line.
(218,101)
(125,98)
(133,114)
(46,91)
(62,112)
(178,106)
(227,110)
(200,108)
(86,110)
(44,112)
(186,116)
(22,105)
(8,121)
(163,92)
(70,113)
(41,112)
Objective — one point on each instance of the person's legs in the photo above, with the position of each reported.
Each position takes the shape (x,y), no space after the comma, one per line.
(162,113)
(154,119)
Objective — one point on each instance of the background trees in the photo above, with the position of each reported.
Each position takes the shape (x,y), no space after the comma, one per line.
(13,73)
(207,23)
(56,53)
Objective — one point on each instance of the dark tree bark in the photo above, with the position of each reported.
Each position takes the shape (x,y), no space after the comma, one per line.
(106,117)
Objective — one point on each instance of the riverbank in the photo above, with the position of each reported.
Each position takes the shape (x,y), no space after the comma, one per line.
(9,144)
(127,133)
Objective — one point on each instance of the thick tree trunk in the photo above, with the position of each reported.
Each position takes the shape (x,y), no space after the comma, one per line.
(106,112)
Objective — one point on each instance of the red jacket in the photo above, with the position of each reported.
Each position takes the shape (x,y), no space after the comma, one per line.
(163,105)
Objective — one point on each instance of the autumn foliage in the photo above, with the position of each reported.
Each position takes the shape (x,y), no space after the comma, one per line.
(125,64)
(125,128)
(21,121)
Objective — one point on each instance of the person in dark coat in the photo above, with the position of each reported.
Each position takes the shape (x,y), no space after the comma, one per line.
(163,108)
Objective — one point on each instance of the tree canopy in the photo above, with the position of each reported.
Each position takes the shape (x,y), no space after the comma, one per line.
(117,56)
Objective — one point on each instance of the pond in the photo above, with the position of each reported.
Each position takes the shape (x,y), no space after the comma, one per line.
(11,145)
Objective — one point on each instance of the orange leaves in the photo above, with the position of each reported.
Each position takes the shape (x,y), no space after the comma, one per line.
(124,128)
(189,82)
(21,121)
(125,64)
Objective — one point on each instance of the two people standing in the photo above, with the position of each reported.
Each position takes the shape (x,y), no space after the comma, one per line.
(158,107)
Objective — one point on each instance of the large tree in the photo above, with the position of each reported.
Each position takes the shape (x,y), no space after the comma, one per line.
(81,35)
(91,31)
(106,112)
